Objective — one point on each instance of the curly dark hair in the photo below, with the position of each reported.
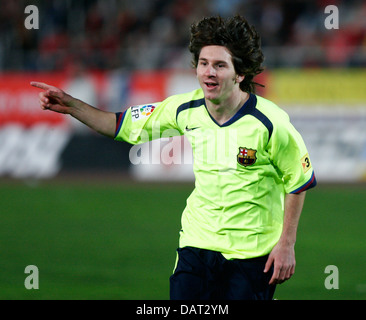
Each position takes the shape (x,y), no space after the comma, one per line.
(239,37)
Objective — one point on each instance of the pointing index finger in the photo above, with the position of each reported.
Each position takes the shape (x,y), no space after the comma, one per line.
(40,85)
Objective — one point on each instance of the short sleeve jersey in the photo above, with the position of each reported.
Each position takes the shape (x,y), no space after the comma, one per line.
(242,169)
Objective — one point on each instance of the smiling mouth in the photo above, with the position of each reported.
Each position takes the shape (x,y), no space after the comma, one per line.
(211,85)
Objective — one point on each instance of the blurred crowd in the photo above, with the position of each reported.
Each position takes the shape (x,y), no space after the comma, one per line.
(154,34)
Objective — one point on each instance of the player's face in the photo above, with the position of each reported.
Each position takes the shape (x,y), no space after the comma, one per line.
(216,74)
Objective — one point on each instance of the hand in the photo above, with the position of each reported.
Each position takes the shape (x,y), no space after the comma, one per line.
(283,257)
(53,98)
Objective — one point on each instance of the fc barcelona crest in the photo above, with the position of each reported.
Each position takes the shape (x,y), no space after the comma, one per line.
(246,157)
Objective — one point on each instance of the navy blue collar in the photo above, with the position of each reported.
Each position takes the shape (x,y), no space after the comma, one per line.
(247,108)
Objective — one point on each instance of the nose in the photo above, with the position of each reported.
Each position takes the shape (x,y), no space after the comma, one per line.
(210,71)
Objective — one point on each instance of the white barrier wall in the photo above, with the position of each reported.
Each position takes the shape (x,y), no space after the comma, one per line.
(336,140)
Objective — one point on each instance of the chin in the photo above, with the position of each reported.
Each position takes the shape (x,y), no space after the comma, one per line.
(210,95)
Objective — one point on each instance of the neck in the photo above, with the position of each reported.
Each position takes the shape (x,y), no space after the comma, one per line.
(223,111)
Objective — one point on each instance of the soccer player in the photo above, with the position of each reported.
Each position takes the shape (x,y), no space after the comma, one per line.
(251,166)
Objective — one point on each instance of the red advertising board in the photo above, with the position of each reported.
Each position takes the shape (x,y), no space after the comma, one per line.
(19,101)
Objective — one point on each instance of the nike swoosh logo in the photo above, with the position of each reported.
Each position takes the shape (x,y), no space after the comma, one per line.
(190,129)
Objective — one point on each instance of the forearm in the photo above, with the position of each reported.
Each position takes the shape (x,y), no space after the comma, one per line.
(101,121)
(293,207)
(54,99)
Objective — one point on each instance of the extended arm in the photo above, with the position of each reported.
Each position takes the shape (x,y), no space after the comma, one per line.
(283,254)
(55,99)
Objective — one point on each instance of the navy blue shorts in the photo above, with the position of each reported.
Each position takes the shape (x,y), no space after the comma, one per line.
(205,275)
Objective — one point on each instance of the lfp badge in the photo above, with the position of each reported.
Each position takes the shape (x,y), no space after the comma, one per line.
(246,157)
(147,110)
(140,112)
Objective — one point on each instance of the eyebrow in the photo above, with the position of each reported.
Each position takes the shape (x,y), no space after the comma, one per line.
(215,61)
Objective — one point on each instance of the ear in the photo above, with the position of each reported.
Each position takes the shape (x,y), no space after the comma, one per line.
(239,78)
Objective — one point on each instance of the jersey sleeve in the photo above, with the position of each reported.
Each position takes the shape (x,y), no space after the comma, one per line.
(143,123)
(290,156)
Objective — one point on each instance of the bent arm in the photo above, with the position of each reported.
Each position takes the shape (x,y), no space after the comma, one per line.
(56,100)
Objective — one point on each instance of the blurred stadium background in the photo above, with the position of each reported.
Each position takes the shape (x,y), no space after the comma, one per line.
(99,227)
